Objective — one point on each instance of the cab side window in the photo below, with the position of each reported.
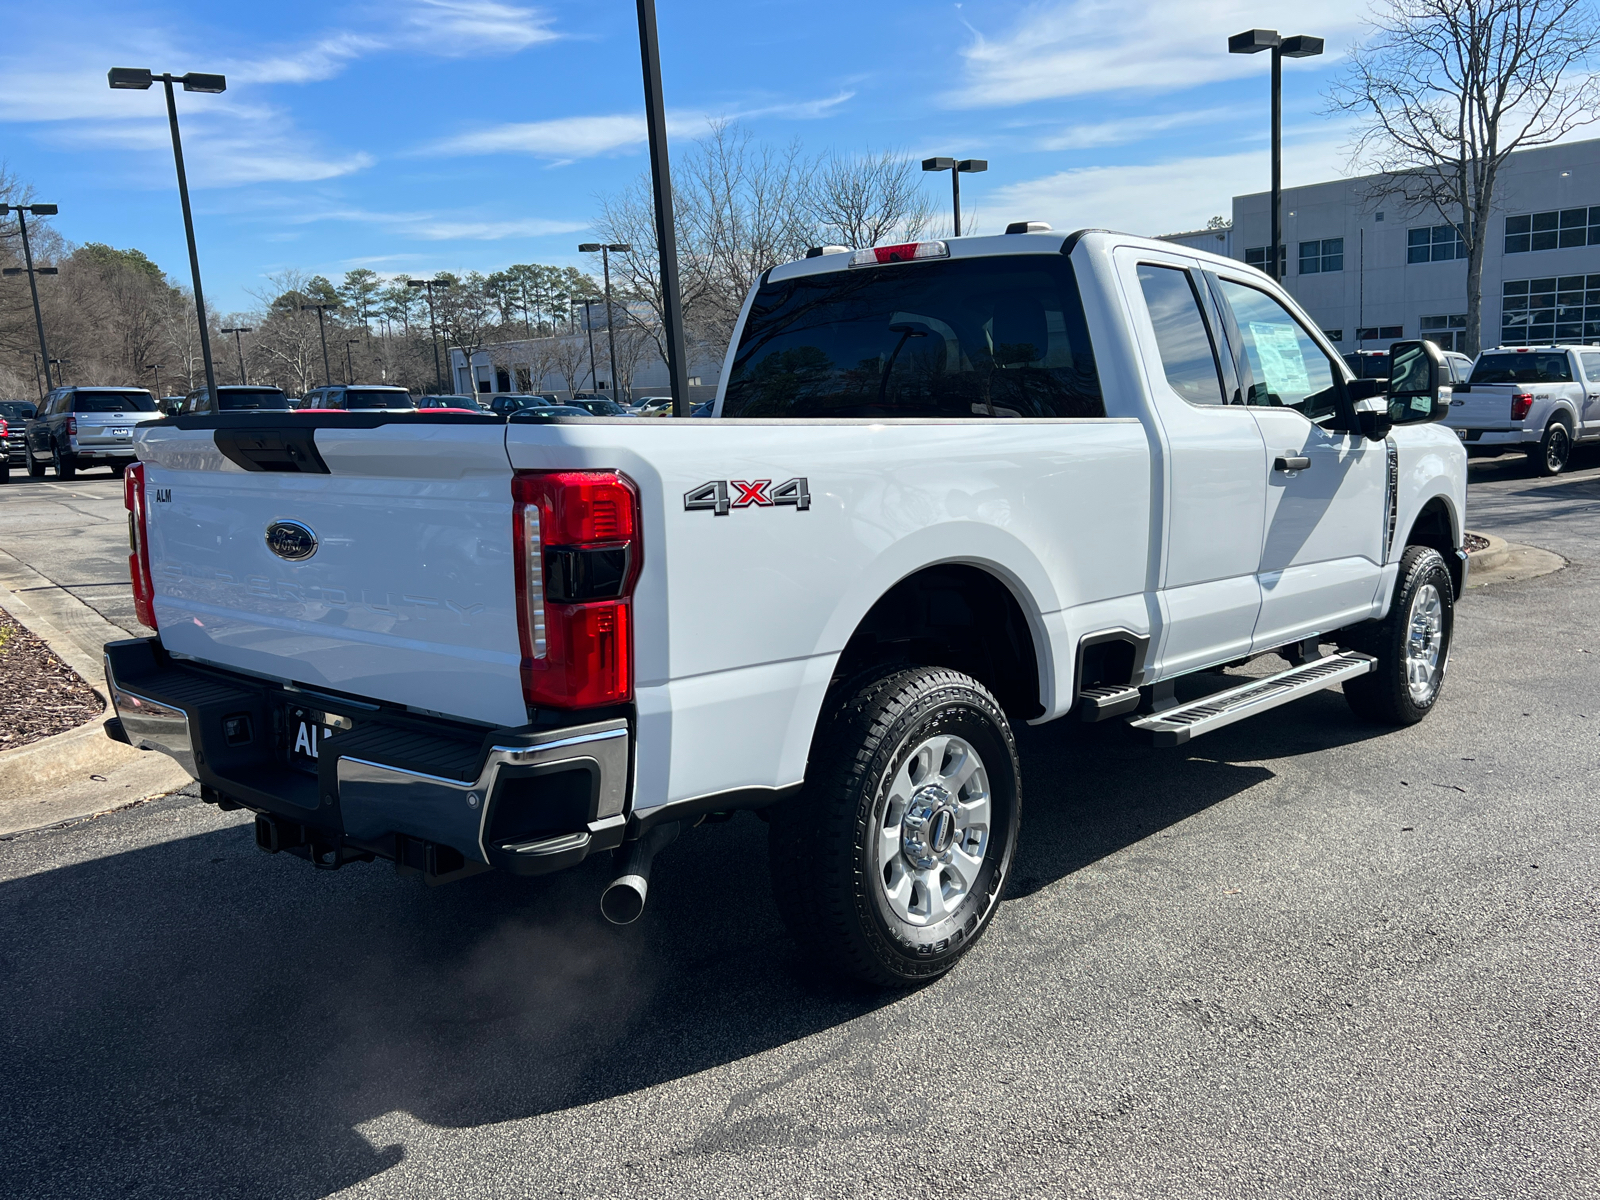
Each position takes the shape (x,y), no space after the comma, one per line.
(1591,367)
(1287,368)
(1188,355)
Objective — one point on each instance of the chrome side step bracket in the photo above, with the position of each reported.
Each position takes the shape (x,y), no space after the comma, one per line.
(1176,726)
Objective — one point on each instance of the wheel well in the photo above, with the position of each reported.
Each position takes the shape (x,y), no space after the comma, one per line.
(953,616)
(1434,527)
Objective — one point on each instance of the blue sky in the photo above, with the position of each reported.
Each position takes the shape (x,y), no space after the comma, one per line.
(420,135)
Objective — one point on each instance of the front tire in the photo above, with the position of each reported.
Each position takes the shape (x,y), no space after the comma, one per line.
(66,467)
(1411,644)
(891,862)
(1554,451)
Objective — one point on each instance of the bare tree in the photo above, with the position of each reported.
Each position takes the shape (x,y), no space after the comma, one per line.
(634,345)
(1448,89)
(868,200)
(570,358)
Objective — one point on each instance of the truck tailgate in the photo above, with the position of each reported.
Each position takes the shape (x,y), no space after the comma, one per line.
(1484,406)
(407,595)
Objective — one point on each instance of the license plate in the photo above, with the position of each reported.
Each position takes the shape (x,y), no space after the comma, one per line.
(1462,434)
(307,730)
(120,432)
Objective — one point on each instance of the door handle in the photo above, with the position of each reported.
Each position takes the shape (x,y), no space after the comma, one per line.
(1291,462)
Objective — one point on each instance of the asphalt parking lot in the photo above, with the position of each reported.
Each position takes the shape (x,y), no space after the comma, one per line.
(1297,957)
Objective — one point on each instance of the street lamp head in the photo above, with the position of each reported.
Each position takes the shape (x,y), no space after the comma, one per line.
(619,247)
(240,329)
(1253,41)
(46,271)
(196,82)
(1302,46)
(131,78)
(416,283)
(43,210)
(11,271)
(938,164)
(973,165)
(588,247)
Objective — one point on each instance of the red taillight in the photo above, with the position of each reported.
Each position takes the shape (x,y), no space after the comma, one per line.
(5,430)
(72,426)
(1521,402)
(144,591)
(577,556)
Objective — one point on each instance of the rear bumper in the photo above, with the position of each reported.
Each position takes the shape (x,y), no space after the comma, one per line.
(1498,437)
(437,797)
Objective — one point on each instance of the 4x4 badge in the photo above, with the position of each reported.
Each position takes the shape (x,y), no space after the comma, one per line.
(753,493)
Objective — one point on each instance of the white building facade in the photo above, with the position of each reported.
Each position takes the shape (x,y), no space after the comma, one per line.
(530,366)
(1369,268)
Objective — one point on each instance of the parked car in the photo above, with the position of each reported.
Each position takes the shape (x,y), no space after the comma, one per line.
(236,397)
(1368,364)
(507,403)
(1460,366)
(360,396)
(170,406)
(959,485)
(600,406)
(81,427)
(650,406)
(1539,399)
(548,411)
(458,403)
(14,416)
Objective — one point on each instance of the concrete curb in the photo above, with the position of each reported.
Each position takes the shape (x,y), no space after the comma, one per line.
(1507,562)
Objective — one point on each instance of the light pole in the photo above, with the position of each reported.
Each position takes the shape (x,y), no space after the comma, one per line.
(655,113)
(38,210)
(349,367)
(589,325)
(957,169)
(239,346)
(321,307)
(433,329)
(1253,41)
(156,367)
(139,79)
(607,249)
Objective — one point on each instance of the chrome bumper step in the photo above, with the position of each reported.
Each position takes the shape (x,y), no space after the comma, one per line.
(1175,726)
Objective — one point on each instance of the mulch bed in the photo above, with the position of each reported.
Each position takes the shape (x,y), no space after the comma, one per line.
(39,694)
(1474,542)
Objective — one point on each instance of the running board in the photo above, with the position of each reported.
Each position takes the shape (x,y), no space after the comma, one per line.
(1103,703)
(1176,726)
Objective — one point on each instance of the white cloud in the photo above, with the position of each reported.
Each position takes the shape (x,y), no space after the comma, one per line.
(1081,47)
(1122,130)
(1164,197)
(457,27)
(442,227)
(564,138)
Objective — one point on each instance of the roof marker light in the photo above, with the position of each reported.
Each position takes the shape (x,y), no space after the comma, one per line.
(906,252)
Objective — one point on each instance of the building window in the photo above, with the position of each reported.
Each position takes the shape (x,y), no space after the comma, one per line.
(1256,256)
(1537,312)
(1434,243)
(1319,257)
(502,379)
(1333,335)
(1376,333)
(1551,230)
(1447,332)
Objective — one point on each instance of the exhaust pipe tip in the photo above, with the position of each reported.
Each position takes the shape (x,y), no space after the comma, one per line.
(623,901)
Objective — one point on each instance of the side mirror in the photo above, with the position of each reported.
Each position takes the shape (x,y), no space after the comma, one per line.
(1419,388)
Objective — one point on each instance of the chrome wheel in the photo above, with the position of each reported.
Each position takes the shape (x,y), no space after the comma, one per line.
(1424,643)
(934,830)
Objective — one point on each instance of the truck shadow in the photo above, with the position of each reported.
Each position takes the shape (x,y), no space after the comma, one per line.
(195,1017)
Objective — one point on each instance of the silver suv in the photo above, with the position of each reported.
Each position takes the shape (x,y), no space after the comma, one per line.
(86,427)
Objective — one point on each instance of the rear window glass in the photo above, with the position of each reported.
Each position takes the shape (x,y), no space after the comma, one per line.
(231,401)
(1369,366)
(977,337)
(1523,368)
(16,410)
(377,398)
(113,402)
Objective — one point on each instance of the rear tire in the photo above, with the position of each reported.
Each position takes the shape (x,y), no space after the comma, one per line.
(1554,450)
(891,862)
(5,472)
(1411,644)
(35,467)
(66,465)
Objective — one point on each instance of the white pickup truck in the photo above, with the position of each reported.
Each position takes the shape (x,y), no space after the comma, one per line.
(952,486)
(1542,400)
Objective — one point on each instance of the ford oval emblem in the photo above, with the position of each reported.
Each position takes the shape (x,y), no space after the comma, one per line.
(291,540)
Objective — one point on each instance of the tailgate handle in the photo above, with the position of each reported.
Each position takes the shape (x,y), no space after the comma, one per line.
(273,449)
(1291,462)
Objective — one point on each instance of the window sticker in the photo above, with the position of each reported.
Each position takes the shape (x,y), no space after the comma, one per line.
(1281,360)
